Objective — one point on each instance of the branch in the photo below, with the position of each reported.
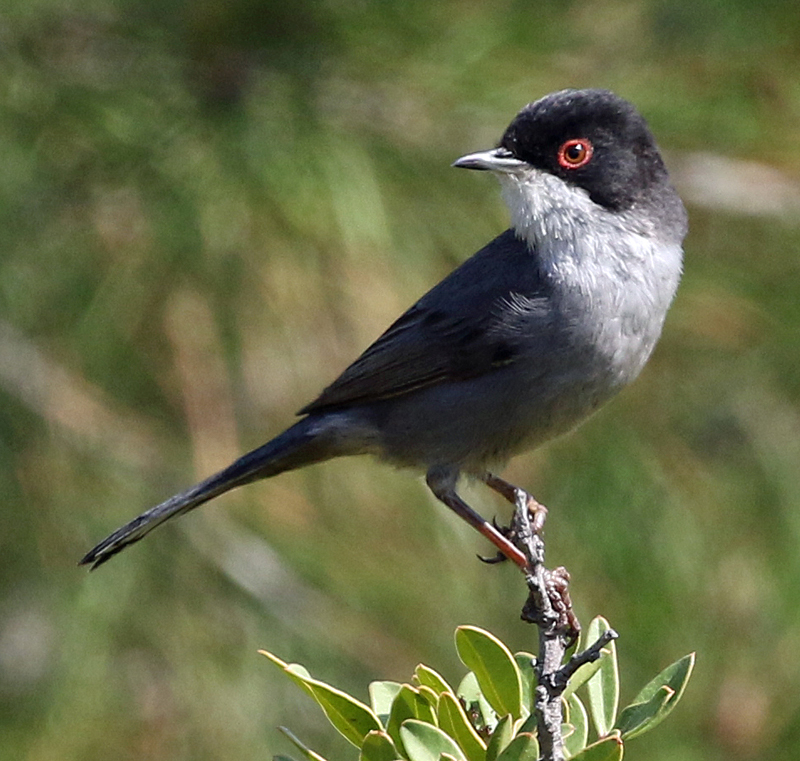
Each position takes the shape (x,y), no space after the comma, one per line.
(549,607)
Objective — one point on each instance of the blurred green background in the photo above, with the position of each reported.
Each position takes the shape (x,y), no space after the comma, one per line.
(207,209)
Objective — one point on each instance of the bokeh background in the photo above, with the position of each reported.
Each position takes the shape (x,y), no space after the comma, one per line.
(208,208)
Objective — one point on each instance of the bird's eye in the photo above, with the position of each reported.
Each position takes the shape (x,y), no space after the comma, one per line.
(576,153)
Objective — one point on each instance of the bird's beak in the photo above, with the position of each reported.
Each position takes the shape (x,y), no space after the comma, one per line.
(495,160)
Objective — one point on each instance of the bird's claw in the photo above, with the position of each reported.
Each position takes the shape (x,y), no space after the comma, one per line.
(498,558)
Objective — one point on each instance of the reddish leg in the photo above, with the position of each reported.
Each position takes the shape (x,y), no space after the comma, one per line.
(442,482)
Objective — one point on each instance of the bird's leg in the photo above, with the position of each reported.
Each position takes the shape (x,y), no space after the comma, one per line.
(513,494)
(442,482)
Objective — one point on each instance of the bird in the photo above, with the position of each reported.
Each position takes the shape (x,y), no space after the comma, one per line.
(521,342)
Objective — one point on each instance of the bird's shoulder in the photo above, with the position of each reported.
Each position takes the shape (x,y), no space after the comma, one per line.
(476,319)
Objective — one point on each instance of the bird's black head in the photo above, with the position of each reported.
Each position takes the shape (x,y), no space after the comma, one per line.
(593,139)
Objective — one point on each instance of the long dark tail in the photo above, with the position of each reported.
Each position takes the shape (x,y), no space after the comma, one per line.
(299,445)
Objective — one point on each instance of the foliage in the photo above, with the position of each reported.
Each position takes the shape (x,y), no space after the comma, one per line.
(489,716)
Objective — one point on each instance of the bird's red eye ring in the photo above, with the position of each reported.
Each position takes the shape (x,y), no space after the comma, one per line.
(574,154)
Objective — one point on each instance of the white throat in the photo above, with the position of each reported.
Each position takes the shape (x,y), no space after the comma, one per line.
(568,230)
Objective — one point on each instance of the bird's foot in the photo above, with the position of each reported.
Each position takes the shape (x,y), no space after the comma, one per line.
(441,482)
(505,531)
(516,496)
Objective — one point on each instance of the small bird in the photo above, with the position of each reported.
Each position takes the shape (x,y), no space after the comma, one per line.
(520,343)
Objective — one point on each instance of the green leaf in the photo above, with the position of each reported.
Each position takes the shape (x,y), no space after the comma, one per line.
(381,695)
(302,747)
(607,749)
(580,677)
(416,703)
(378,746)
(527,675)
(429,696)
(281,757)
(407,704)
(494,667)
(639,717)
(529,725)
(481,714)
(584,673)
(603,686)
(453,720)
(297,673)
(426,676)
(424,742)
(351,718)
(522,748)
(501,737)
(579,723)
(656,699)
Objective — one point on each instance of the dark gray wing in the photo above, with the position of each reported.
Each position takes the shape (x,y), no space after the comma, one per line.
(478,318)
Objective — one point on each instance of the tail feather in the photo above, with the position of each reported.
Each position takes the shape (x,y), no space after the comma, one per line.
(297,446)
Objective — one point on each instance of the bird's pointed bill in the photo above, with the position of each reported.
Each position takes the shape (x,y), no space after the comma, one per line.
(494,160)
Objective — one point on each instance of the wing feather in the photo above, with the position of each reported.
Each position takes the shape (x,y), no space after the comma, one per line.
(466,326)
